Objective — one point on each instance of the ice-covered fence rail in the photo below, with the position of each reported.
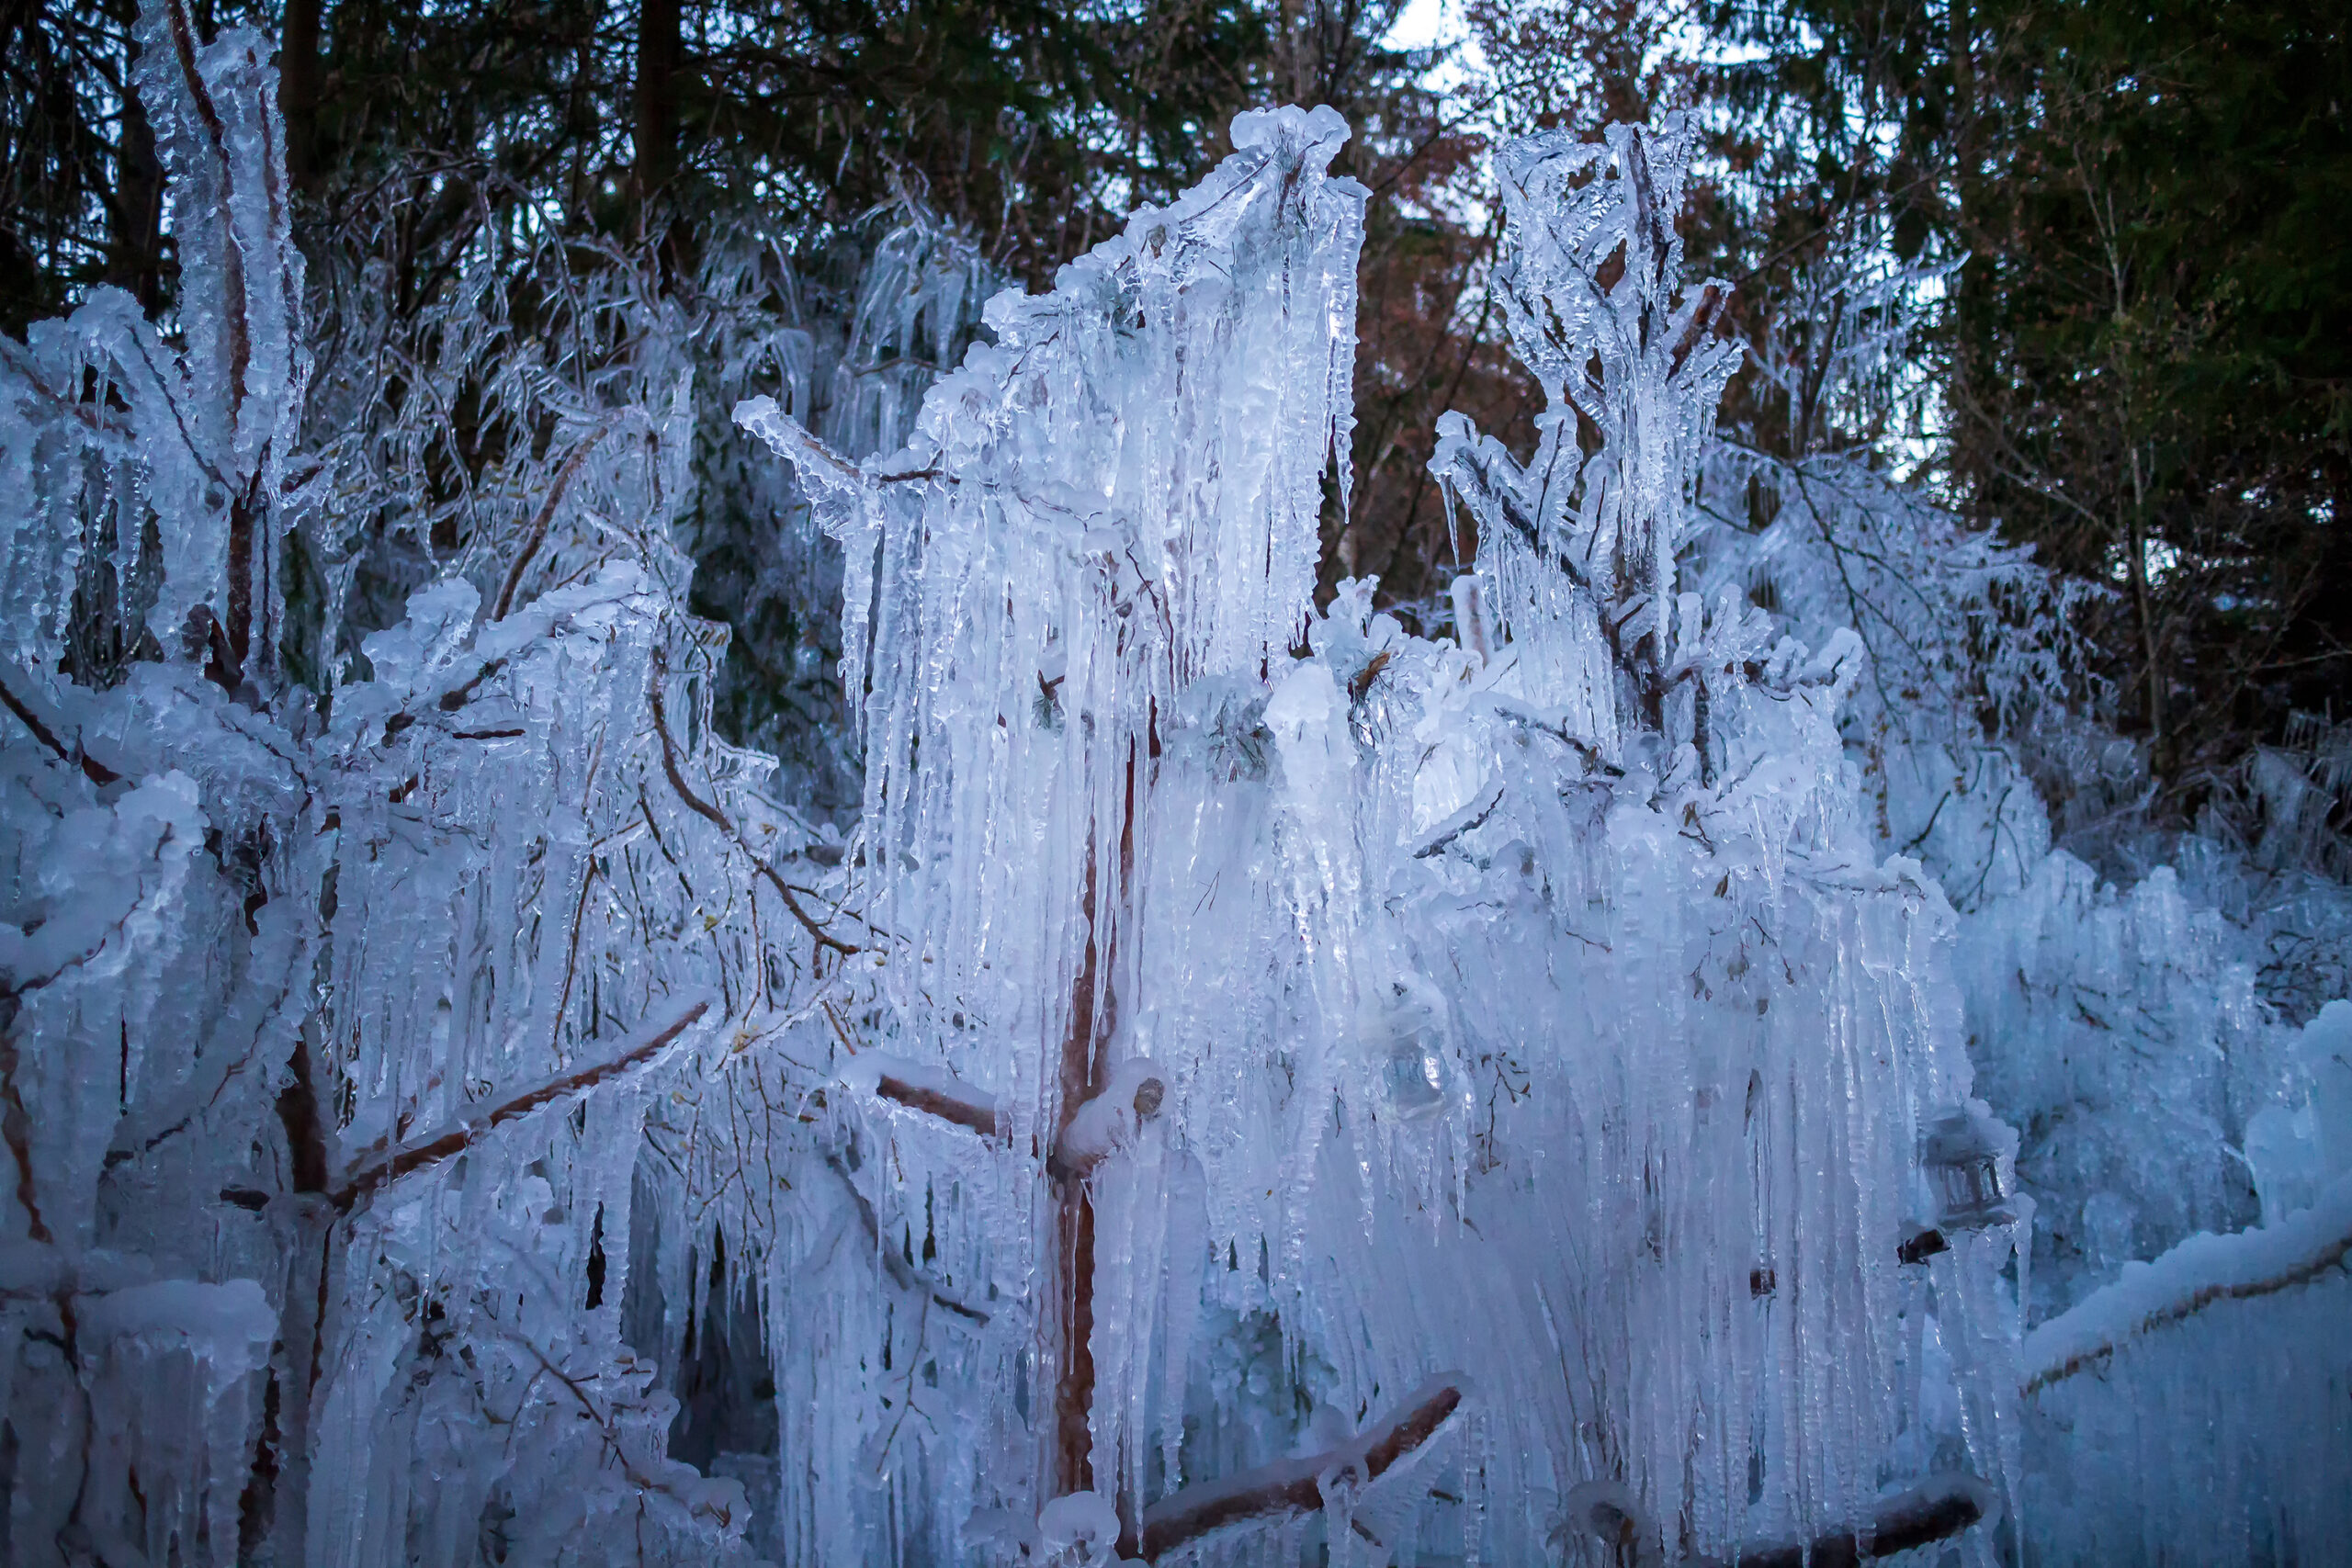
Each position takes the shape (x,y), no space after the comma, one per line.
(2202,1272)
(2238,1341)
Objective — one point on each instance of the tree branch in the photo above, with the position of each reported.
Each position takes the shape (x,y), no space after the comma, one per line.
(711,813)
(932,1090)
(1292,1486)
(1937,1509)
(92,768)
(645,1050)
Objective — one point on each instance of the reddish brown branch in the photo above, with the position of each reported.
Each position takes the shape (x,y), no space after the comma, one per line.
(17,1126)
(1292,1486)
(1074,1222)
(369,1179)
(967,1109)
(545,518)
(1935,1510)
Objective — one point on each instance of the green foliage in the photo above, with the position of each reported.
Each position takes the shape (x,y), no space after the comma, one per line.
(2146,359)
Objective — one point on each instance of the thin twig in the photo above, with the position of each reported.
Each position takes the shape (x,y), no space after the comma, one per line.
(711,813)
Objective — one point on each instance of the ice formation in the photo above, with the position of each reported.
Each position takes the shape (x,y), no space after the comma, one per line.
(1534,1019)
(1252,1085)
(331,1028)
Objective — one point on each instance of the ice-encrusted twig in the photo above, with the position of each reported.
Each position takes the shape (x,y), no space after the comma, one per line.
(710,813)
(647,1048)
(1292,1486)
(2200,1272)
(934,1091)
(76,755)
(904,1275)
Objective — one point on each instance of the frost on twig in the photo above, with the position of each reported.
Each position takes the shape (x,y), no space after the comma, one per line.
(1293,1486)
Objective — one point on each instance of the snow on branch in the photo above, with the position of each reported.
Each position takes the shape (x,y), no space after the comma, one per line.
(1292,1486)
(2202,1271)
(643,1050)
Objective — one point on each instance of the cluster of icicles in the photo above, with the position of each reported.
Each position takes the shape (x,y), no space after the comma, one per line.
(1257,1085)
(1524,1022)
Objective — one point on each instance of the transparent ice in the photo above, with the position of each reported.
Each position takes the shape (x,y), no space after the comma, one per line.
(1245,1084)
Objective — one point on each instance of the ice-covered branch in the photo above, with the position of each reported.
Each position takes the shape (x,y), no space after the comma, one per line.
(1937,1509)
(932,1090)
(1292,1486)
(76,755)
(1103,1124)
(2201,1272)
(643,1051)
(903,1274)
(710,812)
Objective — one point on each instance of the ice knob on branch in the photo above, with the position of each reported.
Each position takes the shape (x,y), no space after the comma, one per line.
(1109,1120)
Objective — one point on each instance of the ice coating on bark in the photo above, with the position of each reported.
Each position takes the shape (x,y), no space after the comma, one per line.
(2239,1336)
(1254,1083)
(1532,1015)
(330,1033)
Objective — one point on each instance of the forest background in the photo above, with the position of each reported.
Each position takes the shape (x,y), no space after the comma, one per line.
(2067,274)
(2125,335)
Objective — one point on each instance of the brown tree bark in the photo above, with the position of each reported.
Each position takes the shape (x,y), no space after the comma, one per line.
(135,240)
(298,88)
(658,53)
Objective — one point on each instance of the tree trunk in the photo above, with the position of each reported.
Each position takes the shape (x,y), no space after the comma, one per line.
(298,88)
(135,245)
(658,50)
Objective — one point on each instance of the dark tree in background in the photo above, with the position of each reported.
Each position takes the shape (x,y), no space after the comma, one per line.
(2138,362)
(2143,365)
